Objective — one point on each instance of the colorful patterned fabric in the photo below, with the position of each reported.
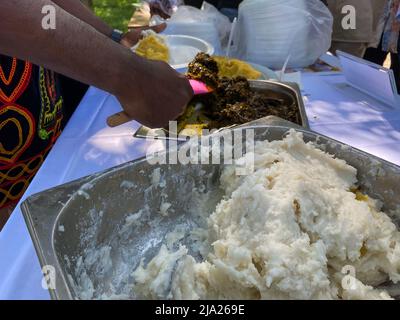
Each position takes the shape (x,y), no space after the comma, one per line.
(31,115)
(391,31)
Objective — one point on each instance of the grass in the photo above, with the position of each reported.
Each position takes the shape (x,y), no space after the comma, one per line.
(116,13)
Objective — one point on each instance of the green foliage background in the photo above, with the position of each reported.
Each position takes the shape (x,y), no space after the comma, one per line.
(117,13)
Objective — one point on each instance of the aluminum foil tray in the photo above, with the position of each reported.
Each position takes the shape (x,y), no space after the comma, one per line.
(93,213)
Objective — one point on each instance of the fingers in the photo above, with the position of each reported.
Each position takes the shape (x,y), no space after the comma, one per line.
(132,37)
(154,107)
(158,28)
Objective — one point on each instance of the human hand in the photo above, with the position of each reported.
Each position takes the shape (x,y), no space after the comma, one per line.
(157,94)
(131,38)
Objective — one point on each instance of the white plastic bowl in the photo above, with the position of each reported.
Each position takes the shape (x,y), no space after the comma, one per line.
(205,31)
(183,49)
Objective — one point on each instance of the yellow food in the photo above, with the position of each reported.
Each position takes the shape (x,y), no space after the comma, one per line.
(193,130)
(154,48)
(361,197)
(232,68)
(192,122)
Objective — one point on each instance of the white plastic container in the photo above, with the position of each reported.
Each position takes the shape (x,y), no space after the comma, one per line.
(269,30)
(202,30)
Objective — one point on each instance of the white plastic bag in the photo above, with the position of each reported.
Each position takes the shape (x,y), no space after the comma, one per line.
(206,23)
(222,22)
(270,30)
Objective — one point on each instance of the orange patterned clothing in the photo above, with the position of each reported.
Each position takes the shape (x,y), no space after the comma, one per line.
(31,116)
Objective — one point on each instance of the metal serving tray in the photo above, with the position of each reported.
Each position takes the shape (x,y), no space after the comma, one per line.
(287,91)
(91,213)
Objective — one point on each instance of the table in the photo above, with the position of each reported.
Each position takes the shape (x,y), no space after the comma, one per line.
(87,146)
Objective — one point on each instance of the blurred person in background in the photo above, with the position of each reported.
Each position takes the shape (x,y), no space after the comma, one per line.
(227,7)
(146,9)
(367,14)
(163,8)
(389,40)
(198,3)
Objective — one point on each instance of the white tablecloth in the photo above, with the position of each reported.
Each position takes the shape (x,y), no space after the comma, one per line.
(87,146)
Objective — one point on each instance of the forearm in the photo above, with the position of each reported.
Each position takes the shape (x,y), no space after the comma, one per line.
(80,11)
(74,48)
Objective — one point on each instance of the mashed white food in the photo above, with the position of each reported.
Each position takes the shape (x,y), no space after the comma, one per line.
(284,232)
